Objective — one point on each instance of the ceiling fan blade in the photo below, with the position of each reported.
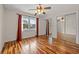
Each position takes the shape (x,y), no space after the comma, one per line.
(44,13)
(47,8)
(35,14)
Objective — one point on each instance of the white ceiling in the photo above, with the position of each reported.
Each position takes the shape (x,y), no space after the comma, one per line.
(24,7)
(56,8)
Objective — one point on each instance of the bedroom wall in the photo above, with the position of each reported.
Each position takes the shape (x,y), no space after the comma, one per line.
(11,20)
(42,26)
(77,31)
(1,26)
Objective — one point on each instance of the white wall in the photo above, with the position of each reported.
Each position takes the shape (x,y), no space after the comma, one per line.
(42,26)
(54,27)
(77,30)
(11,19)
(1,24)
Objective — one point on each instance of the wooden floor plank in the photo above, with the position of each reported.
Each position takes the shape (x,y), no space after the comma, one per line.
(40,45)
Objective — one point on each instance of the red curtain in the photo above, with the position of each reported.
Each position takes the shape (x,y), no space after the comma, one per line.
(19,31)
(37,26)
(47,27)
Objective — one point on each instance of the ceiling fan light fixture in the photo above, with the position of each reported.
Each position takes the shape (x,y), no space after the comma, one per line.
(40,9)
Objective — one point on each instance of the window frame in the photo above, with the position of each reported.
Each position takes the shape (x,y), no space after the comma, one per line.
(29,18)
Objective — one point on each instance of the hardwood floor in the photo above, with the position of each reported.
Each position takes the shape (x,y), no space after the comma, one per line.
(40,45)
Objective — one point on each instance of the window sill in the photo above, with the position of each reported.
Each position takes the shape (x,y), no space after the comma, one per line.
(29,29)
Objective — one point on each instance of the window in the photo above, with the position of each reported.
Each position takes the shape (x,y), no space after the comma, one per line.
(28,23)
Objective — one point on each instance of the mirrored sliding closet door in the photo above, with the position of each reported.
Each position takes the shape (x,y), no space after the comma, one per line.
(66,27)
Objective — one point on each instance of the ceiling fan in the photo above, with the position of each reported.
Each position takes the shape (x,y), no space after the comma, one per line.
(40,9)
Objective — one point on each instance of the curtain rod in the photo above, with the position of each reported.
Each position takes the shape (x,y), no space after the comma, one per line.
(26,15)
